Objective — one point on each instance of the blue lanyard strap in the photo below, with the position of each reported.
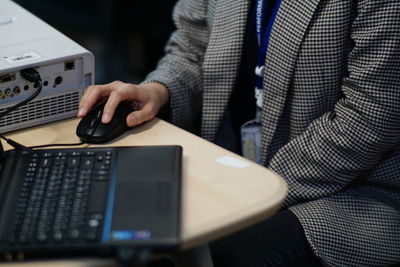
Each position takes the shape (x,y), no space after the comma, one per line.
(263,42)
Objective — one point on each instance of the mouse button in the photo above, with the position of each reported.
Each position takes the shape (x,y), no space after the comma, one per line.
(124,108)
(93,123)
(118,118)
(102,130)
(83,124)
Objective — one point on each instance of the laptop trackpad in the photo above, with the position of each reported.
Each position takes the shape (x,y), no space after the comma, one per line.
(141,205)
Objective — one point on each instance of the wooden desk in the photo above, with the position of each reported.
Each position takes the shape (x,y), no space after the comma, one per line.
(217,199)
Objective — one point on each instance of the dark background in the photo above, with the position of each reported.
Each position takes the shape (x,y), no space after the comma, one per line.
(126,37)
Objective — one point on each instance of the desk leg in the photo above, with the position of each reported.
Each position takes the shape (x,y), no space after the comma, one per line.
(196,257)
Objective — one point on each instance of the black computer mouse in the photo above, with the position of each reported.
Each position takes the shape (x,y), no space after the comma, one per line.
(91,130)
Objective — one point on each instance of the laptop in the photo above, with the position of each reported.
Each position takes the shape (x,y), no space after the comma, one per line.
(89,200)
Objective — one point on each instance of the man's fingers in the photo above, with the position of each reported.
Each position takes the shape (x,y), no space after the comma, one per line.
(92,95)
(84,106)
(113,100)
(115,93)
(140,116)
(120,92)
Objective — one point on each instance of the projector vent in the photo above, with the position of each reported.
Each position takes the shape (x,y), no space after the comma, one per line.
(42,110)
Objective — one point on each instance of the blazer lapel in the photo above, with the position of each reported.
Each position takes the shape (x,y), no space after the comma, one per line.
(221,62)
(287,34)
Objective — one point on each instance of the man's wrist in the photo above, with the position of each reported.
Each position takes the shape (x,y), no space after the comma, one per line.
(160,89)
(164,94)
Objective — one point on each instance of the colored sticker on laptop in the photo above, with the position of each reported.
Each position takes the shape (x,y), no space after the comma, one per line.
(124,235)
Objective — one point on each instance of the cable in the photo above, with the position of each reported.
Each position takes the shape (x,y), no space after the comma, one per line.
(14,144)
(50,145)
(30,75)
(33,76)
(17,145)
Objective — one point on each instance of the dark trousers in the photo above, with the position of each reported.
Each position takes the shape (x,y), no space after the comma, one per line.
(278,241)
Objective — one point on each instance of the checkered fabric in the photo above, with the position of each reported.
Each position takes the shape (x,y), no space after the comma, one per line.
(331,111)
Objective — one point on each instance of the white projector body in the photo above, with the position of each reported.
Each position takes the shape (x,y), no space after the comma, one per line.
(65,67)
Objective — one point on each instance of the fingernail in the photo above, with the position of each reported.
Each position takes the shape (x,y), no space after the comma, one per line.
(106,118)
(81,111)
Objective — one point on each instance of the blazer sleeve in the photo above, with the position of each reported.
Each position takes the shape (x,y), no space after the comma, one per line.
(342,145)
(180,69)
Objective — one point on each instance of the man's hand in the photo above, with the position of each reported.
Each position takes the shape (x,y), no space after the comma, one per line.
(148,99)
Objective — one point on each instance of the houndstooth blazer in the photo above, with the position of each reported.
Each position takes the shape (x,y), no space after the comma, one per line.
(331,111)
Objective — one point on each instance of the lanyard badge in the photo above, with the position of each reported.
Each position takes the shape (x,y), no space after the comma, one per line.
(262,42)
(251,130)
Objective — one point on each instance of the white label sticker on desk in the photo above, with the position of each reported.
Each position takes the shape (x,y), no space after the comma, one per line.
(232,162)
(22,57)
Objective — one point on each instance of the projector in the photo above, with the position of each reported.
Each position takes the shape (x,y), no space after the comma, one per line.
(65,67)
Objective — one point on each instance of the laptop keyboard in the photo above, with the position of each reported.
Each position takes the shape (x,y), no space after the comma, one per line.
(53,205)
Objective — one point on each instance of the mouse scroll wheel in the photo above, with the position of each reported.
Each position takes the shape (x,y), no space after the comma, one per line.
(98,114)
(93,123)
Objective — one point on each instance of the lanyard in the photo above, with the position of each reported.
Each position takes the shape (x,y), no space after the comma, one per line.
(262,45)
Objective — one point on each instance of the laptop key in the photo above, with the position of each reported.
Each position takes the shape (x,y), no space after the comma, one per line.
(87,162)
(73,162)
(91,235)
(75,234)
(58,236)
(41,237)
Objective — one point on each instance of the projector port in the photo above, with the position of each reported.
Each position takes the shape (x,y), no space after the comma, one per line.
(8,92)
(58,80)
(17,90)
(7,77)
(69,65)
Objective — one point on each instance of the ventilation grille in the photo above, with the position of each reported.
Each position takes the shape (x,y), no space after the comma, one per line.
(40,111)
